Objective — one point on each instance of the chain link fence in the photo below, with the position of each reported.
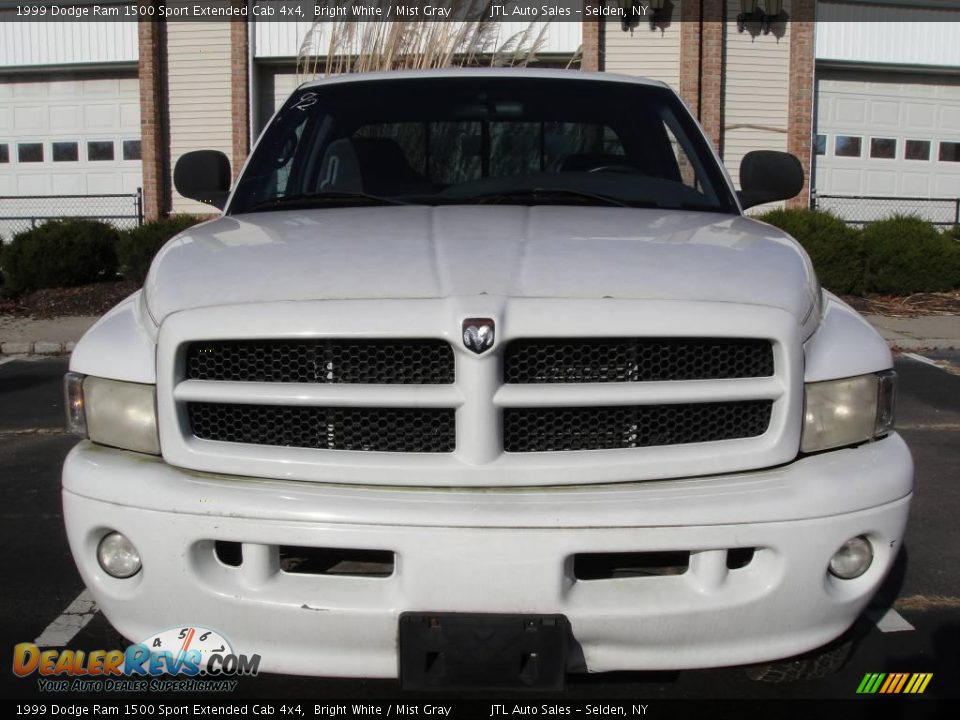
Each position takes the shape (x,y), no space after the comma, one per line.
(23,212)
(860,210)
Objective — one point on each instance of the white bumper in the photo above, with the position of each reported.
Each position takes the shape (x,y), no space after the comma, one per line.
(493,551)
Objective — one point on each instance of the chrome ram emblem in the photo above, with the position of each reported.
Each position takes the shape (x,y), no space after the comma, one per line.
(478,334)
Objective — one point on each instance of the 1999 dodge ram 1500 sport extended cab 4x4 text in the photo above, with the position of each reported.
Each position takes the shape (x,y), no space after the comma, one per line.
(484,377)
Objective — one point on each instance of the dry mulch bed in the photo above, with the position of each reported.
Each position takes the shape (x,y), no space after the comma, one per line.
(96,299)
(915,305)
(93,299)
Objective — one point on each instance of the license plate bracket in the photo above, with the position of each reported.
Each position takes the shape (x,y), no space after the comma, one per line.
(490,651)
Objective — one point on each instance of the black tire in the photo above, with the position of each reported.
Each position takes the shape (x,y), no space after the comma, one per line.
(810,666)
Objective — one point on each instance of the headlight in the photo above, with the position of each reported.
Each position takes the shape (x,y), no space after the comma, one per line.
(111,412)
(847,412)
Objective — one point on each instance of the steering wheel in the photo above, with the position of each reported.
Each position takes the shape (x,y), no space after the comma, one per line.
(617,168)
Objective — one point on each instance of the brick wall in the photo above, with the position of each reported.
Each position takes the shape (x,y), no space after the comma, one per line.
(240,92)
(690,54)
(590,44)
(800,125)
(153,119)
(702,63)
(711,72)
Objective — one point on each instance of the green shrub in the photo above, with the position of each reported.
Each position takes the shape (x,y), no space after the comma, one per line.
(953,233)
(137,247)
(834,247)
(61,253)
(905,254)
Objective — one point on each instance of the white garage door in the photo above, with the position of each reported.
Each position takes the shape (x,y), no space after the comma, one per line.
(890,135)
(69,135)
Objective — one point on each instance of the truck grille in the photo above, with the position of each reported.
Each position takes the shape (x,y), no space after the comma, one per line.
(635,360)
(375,362)
(328,428)
(605,428)
(573,391)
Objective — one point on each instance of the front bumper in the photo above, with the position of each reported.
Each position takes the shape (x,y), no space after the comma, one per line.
(493,551)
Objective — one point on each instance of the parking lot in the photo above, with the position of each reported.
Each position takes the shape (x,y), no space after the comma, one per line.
(914,625)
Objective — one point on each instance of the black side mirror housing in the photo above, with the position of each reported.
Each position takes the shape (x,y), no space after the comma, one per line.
(767,176)
(203,175)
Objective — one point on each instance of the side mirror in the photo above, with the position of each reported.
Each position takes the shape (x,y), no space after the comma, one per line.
(768,175)
(203,175)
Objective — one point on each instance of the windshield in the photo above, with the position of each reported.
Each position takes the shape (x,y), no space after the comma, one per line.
(482,139)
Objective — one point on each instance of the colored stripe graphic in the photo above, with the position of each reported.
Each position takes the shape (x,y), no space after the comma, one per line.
(870,683)
(894,683)
(903,680)
(919,682)
(891,680)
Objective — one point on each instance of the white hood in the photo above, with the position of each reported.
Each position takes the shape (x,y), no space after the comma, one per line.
(433,252)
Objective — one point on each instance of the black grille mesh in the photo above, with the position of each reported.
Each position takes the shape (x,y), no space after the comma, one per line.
(635,360)
(328,428)
(392,362)
(604,428)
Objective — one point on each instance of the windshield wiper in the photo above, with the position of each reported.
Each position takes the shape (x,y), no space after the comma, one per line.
(553,194)
(334,199)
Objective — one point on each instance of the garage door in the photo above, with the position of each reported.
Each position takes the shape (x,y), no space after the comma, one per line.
(69,135)
(888,134)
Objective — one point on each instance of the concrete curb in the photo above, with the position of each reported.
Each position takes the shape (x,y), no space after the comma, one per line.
(38,347)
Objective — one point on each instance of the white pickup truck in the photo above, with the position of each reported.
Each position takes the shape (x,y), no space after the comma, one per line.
(483,377)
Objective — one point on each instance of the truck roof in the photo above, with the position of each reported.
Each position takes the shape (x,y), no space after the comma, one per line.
(540,73)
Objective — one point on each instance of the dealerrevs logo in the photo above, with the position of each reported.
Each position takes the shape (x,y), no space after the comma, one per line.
(184,652)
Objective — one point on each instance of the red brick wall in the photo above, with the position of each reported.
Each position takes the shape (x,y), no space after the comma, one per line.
(239,91)
(800,124)
(711,75)
(702,63)
(153,122)
(690,54)
(590,43)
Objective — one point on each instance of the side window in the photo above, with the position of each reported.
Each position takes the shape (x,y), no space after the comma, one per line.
(580,146)
(410,137)
(515,148)
(443,152)
(688,173)
(452,152)
(285,159)
(280,154)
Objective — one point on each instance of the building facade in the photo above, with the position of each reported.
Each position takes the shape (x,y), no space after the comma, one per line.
(866,95)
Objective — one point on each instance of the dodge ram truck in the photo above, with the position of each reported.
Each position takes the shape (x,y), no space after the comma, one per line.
(482,378)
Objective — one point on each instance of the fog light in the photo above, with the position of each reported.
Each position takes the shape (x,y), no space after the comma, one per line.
(117,556)
(853,559)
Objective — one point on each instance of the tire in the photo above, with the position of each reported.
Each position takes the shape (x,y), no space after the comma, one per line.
(810,666)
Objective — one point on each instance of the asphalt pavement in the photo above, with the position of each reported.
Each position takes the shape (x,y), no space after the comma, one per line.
(923,592)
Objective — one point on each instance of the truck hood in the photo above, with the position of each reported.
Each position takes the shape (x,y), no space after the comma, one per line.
(435,252)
